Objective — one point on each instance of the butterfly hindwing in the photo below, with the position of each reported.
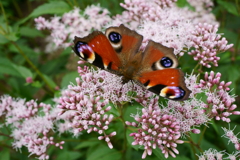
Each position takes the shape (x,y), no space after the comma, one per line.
(167,83)
(160,74)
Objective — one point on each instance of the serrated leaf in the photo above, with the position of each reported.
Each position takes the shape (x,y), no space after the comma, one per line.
(54,7)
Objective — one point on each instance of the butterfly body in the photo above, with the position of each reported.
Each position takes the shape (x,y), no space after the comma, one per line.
(118,51)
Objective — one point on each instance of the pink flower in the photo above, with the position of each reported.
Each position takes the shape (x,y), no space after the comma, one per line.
(156,130)
(85,106)
(29,129)
(29,80)
(219,102)
(207,44)
(211,154)
(64,29)
(232,137)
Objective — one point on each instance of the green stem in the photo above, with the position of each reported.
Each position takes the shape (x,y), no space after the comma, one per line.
(33,66)
(19,12)
(5,18)
(202,134)
(124,147)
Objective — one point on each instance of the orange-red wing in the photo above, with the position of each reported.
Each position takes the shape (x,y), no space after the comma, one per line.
(153,54)
(130,42)
(96,49)
(167,83)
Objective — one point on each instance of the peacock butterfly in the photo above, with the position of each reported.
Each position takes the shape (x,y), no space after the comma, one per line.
(118,51)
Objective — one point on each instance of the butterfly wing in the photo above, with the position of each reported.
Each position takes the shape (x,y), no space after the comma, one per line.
(125,42)
(96,49)
(160,75)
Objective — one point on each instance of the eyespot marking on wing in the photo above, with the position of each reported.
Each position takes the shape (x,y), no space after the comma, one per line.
(172,92)
(84,51)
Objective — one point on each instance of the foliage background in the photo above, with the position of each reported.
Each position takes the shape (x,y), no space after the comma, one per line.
(22,55)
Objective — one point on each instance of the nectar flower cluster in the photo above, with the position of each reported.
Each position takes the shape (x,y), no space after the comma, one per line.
(211,154)
(64,29)
(156,130)
(207,44)
(85,105)
(171,26)
(189,114)
(232,137)
(29,129)
(219,102)
(139,9)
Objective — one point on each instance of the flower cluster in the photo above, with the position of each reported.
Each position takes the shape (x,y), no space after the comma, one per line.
(232,137)
(85,105)
(156,130)
(207,44)
(219,102)
(169,25)
(139,9)
(29,129)
(64,29)
(189,114)
(211,154)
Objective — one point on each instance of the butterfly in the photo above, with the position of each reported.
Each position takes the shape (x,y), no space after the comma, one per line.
(118,51)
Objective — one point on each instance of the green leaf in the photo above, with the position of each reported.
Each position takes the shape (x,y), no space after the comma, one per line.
(23,71)
(6,67)
(36,84)
(229,6)
(10,33)
(130,139)
(215,127)
(159,154)
(130,109)
(54,7)
(88,143)
(69,155)
(30,32)
(184,3)
(103,152)
(114,109)
(69,78)
(13,36)
(5,154)
(3,40)
(50,81)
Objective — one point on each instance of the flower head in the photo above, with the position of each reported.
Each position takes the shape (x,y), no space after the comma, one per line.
(156,130)
(207,44)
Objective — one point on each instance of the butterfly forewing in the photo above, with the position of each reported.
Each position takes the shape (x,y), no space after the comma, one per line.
(97,50)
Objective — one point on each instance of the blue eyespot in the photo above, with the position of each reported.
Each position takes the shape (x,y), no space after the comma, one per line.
(166,62)
(114,37)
